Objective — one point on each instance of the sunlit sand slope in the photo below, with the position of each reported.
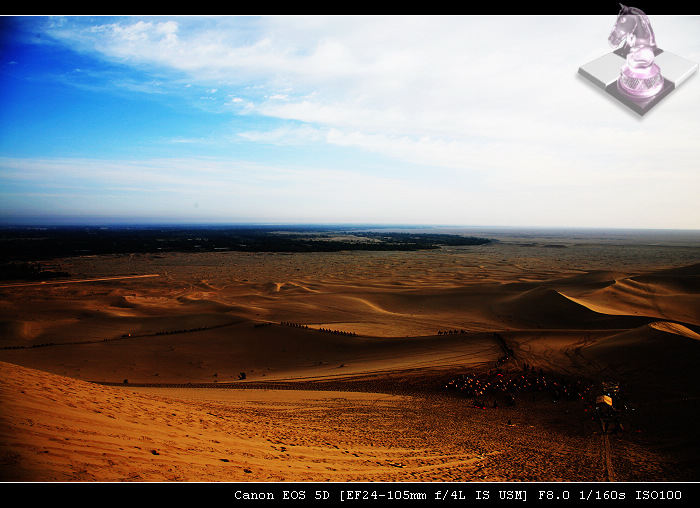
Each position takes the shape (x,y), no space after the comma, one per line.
(59,429)
(55,428)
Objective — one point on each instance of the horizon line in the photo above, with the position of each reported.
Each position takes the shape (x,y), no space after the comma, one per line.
(146,223)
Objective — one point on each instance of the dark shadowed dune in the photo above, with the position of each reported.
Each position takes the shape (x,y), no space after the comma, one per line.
(660,349)
(548,308)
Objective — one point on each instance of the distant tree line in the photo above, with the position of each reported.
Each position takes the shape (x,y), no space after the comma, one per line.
(434,239)
(31,244)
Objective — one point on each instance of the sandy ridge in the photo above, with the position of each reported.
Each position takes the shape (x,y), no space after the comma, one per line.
(319,406)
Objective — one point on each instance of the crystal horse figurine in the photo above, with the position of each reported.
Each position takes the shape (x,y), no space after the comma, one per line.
(640,76)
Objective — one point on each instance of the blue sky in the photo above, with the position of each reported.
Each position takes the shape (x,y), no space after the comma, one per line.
(459,120)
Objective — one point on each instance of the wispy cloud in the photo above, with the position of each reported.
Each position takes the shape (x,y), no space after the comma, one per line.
(489,107)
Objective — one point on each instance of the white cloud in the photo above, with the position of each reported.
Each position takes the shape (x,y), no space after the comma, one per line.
(483,101)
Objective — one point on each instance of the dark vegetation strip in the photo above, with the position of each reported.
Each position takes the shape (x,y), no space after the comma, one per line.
(33,244)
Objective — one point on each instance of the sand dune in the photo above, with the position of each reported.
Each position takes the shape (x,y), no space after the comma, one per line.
(654,300)
(18,330)
(60,429)
(121,302)
(220,354)
(675,328)
(548,308)
(662,347)
(346,321)
(84,432)
(692,271)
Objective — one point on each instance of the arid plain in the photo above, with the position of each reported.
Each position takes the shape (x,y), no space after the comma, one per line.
(269,367)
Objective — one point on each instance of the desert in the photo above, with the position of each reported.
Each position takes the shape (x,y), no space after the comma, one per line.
(357,365)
